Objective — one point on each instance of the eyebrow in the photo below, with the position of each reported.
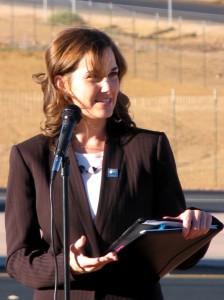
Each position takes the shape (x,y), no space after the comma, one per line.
(114,68)
(111,70)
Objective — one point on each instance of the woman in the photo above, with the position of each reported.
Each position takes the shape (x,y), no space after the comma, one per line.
(118,173)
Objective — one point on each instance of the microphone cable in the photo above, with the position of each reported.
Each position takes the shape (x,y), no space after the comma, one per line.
(53,242)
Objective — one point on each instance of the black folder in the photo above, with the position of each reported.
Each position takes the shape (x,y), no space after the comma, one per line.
(160,243)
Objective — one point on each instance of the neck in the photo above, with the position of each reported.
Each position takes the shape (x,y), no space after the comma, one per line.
(90,138)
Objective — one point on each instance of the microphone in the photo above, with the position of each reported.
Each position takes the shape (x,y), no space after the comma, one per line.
(71,116)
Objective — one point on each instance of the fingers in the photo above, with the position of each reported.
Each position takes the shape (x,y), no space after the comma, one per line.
(79,243)
(75,252)
(80,263)
(88,264)
(195,223)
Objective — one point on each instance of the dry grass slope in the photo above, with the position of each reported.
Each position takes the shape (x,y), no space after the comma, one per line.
(195,135)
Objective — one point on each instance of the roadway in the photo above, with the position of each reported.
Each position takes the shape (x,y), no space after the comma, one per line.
(196,287)
(192,10)
(178,5)
(204,281)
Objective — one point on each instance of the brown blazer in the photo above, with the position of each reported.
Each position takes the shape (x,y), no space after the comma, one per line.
(147,186)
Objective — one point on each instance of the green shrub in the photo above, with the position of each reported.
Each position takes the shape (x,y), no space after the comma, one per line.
(65,18)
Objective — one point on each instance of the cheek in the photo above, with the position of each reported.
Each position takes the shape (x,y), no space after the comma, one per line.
(79,90)
(116,86)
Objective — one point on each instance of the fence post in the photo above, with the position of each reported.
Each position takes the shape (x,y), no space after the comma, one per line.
(35,23)
(134,43)
(45,10)
(111,16)
(157,47)
(12,23)
(170,13)
(90,4)
(73,3)
(173,101)
(204,55)
(180,49)
(215,100)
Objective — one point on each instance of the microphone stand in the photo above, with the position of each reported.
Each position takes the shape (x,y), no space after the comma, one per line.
(66,242)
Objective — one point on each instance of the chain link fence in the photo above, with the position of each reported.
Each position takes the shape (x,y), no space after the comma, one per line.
(154,46)
(194,126)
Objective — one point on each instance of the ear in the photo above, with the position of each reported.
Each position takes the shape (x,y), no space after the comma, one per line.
(59,83)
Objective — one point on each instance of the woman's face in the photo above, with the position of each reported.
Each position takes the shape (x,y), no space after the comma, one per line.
(96,94)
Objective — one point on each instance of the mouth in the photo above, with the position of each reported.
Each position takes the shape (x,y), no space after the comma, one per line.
(108,100)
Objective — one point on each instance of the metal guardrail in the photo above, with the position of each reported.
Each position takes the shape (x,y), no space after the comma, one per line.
(211,201)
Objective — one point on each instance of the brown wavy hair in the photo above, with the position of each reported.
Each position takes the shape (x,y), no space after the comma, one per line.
(62,57)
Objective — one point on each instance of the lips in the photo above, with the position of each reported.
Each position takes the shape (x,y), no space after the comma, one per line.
(103,100)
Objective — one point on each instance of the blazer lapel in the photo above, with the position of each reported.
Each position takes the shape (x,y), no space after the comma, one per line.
(113,155)
(79,203)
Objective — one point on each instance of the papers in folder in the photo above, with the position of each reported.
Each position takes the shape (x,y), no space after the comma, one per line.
(160,243)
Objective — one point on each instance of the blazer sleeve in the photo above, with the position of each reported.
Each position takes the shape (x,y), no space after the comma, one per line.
(29,259)
(169,196)
(171,200)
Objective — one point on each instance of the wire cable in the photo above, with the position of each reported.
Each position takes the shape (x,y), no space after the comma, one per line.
(52,239)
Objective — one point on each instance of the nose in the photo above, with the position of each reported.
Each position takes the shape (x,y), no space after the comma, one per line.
(105,85)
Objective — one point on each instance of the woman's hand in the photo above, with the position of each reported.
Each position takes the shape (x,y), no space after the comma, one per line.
(80,263)
(195,222)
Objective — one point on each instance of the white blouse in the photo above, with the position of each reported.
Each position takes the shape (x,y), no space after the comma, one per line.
(90,165)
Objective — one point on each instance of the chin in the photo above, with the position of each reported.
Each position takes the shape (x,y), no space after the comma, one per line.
(105,114)
(108,115)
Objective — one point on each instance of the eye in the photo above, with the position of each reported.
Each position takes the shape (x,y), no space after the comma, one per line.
(92,75)
(113,74)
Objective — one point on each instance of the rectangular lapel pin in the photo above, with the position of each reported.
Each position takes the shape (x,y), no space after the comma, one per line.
(112,172)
